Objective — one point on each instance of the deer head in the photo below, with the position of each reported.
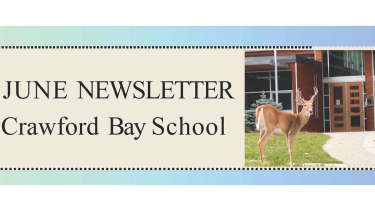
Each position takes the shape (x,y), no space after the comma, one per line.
(307,106)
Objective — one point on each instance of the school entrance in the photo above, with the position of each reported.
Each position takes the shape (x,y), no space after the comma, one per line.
(346,107)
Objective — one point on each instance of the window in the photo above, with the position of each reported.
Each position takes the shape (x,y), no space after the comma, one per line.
(337,95)
(339,118)
(326,110)
(342,63)
(325,63)
(326,89)
(354,101)
(354,109)
(326,101)
(284,80)
(326,114)
(369,100)
(257,82)
(338,110)
(355,121)
(327,126)
(285,99)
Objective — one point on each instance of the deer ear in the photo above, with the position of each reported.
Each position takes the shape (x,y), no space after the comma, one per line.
(299,101)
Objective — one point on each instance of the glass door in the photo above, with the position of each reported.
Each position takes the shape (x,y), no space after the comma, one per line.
(354,106)
(346,105)
(338,114)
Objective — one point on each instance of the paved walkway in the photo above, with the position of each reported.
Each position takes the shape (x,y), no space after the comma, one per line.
(354,149)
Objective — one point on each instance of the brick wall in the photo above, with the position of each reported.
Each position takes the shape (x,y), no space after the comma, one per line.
(318,55)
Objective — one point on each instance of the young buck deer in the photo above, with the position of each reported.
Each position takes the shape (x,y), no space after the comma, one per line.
(271,121)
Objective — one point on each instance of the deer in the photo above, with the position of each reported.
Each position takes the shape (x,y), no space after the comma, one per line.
(271,121)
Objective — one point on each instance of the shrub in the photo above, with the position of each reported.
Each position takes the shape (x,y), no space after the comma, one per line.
(247,128)
(250,114)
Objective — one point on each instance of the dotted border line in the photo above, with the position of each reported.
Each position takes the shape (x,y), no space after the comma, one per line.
(189,169)
(169,169)
(158,47)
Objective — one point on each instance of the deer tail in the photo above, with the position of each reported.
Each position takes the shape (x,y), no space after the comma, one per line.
(258,117)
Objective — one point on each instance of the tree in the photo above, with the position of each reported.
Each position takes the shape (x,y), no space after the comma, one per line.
(250,114)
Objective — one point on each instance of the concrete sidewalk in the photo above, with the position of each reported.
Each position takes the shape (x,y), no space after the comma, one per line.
(354,149)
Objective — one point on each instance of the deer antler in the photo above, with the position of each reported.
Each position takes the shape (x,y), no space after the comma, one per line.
(315,93)
(298,98)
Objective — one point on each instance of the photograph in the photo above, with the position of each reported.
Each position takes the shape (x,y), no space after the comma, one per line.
(309,108)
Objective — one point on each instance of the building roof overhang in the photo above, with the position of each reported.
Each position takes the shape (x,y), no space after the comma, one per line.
(257,53)
(267,63)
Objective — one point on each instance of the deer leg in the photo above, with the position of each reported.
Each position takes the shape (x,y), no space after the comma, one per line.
(261,133)
(290,146)
(261,143)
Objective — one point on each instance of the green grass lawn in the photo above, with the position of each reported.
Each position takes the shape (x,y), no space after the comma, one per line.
(307,148)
